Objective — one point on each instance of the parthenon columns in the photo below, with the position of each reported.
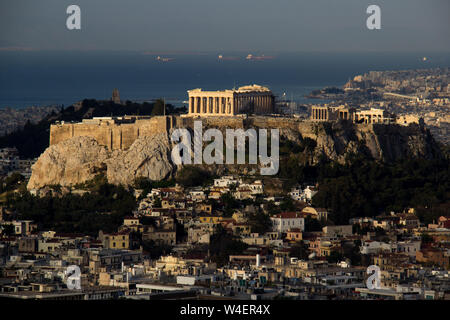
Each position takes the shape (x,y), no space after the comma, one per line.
(231,102)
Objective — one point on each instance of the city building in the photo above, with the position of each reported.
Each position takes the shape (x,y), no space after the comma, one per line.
(118,240)
(285,221)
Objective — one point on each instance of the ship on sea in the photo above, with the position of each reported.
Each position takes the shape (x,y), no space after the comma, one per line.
(162,59)
(224,58)
(259,58)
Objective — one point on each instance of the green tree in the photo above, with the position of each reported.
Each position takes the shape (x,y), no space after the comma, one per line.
(335,257)
(222,245)
(158,108)
(156,250)
(103,209)
(230,204)
(259,222)
(7,229)
(157,202)
(191,176)
(287,204)
(299,250)
(312,224)
(426,238)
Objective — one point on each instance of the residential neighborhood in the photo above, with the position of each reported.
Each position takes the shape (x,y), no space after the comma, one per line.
(229,239)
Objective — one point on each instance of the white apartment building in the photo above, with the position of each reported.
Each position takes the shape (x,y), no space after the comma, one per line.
(226,181)
(407,247)
(305,195)
(256,187)
(285,221)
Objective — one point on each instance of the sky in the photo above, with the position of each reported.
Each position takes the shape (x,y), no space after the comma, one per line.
(259,26)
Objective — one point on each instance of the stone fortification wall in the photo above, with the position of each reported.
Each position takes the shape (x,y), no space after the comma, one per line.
(115,136)
(384,142)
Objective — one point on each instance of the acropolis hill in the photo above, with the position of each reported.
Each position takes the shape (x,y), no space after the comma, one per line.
(119,133)
(128,147)
(219,109)
(125,148)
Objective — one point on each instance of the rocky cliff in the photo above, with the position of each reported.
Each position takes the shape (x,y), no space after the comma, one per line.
(80,159)
(386,143)
(68,163)
(147,157)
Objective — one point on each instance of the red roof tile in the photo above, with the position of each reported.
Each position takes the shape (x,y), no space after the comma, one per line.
(288,215)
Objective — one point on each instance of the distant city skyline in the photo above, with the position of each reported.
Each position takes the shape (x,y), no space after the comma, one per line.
(226,26)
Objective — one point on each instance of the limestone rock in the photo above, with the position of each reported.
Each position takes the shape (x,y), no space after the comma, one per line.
(80,159)
(68,163)
(289,134)
(386,143)
(147,157)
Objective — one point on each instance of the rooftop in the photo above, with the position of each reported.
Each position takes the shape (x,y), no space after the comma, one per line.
(244,89)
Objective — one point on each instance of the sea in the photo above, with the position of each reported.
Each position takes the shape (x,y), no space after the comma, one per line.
(41,78)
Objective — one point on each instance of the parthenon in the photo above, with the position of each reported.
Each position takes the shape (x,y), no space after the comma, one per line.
(251,99)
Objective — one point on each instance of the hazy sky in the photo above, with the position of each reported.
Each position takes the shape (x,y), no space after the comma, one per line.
(227,25)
